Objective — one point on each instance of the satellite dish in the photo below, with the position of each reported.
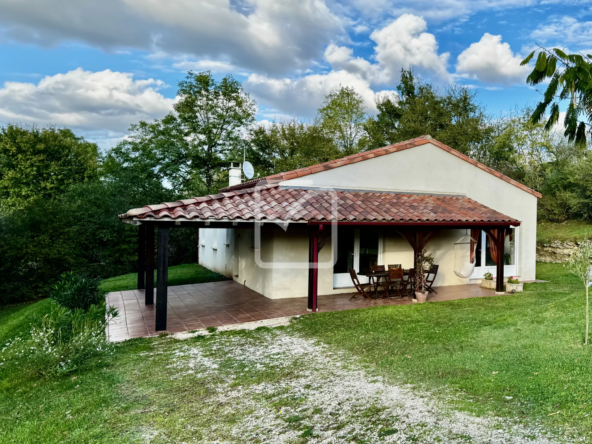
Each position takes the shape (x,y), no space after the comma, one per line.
(248,170)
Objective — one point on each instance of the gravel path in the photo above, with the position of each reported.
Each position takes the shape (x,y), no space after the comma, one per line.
(285,388)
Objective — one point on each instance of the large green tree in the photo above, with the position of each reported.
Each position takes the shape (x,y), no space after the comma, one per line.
(453,117)
(342,118)
(188,148)
(288,146)
(42,163)
(569,79)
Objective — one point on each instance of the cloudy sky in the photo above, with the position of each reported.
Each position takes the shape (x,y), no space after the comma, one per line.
(97,66)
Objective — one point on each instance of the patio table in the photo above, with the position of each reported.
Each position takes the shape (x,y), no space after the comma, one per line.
(378,275)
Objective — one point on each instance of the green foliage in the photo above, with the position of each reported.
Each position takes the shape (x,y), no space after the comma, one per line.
(570,79)
(342,118)
(61,342)
(79,232)
(189,148)
(579,265)
(453,117)
(289,146)
(76,292)
(40,164)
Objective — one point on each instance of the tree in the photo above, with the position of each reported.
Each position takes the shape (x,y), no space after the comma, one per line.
(41,164)
(342,117)
(188,147)
(288,146)
(570,79)
(454,118)
(579,265)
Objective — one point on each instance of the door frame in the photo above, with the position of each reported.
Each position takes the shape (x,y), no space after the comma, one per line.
(343,280)
(509,270)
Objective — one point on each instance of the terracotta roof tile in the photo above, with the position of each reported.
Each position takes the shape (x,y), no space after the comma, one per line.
(272,202)
(372,154)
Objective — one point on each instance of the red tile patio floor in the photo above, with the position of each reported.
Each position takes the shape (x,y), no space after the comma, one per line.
(191,307)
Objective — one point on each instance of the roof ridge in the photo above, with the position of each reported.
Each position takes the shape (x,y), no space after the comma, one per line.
(377,152)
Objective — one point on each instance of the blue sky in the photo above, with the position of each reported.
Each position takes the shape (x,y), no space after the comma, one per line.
(99,66)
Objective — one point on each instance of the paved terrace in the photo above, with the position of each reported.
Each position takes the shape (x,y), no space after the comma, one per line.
(214,304)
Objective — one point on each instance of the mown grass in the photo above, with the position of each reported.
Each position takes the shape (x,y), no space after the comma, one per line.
(178,275)
(571,230)
(519,356)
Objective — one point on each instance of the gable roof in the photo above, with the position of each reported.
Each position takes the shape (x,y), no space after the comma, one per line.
(354,158)
(280,203)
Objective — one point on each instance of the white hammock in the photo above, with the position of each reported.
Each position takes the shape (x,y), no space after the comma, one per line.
(463,267)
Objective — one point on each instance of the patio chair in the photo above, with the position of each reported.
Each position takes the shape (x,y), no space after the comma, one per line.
(361,288)
(394,266)
(395,282)
(431,277)
(378,281)
(410,283)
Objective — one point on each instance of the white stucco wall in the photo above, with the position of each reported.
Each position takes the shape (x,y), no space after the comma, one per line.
(216,249)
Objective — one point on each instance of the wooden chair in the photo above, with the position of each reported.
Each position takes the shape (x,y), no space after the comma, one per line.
(361,288)
(377,281)
(431,277)
(394,266)
(410,283)
(395,282)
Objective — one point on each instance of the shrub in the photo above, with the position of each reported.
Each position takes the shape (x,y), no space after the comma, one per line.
(75,292)
(79,231)
(61,342)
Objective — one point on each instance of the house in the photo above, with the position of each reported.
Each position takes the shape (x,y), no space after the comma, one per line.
(298,233)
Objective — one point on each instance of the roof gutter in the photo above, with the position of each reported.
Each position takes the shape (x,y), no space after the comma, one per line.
(421,224)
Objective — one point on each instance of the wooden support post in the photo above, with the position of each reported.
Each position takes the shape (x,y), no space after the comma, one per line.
(141,257)
(313,271)
(499,283)
(162,278)
(149,292)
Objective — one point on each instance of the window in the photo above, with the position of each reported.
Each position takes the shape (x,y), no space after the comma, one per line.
(357,249)
(485,262)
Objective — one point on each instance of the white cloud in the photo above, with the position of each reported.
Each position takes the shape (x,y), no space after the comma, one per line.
(341,58)
(564,30)
(491,61)
(403,43)
(303,96)
(103,103)
(262,35)
(441,10)
(204,65)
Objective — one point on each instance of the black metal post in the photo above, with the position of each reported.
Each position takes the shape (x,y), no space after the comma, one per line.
(310,269)
(141,257)
(149,292)
(499,283)
(162,277)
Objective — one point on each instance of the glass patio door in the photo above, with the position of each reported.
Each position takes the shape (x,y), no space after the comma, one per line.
(359,249)
(485,262)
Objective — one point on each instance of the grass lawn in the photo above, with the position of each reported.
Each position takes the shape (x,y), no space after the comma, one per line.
(519,357)
(572,230)
(178,275)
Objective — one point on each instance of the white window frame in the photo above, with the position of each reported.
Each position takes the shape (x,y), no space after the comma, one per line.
(343,280)
(509,270)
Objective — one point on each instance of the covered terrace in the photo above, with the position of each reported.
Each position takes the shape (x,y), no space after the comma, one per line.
(416,217)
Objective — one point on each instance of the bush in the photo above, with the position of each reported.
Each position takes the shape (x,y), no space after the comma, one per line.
(62,341)
(75,292)
(79,232)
